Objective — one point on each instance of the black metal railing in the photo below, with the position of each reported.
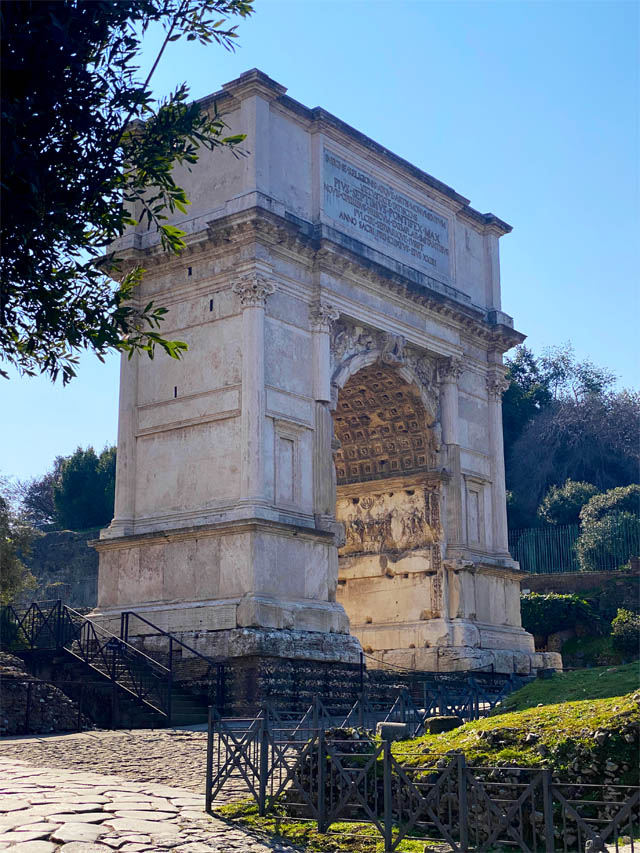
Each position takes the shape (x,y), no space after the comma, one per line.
(362,786)
(183,661)
(55,626)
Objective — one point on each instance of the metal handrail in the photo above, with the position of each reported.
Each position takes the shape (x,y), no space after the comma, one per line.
(124,633)
(133,649)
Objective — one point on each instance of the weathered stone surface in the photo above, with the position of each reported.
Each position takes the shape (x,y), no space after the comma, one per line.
(144,826)
(411,379)
(34,847)
(87,817)
(149,814)
(80,832)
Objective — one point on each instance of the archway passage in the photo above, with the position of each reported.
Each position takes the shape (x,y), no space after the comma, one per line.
(388,498)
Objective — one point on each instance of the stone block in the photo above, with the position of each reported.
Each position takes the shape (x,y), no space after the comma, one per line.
(392,731)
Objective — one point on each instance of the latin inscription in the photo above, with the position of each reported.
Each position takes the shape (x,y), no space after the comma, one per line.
(379,215)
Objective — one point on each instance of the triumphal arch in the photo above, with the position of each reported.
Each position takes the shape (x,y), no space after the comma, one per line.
(323,470)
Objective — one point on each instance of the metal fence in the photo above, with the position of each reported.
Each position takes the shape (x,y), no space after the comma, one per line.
(547,550)
(353,786)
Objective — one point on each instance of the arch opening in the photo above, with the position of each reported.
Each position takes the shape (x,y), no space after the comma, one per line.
(388,499)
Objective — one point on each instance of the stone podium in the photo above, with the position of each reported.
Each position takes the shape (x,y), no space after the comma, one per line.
(324,467)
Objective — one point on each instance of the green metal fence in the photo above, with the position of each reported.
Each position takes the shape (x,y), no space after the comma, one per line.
(546,550)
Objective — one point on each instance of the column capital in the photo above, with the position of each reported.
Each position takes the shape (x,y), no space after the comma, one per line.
(253,290)
(450,369)
(322,316)
(497,384)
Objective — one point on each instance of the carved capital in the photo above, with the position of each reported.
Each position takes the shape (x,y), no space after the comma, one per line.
(322,316)
(450,369)
(392,348)
(424,368)
(497,384)
(253,290)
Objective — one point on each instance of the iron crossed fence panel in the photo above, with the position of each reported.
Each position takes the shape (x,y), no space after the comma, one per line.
(312,776)
(601,814)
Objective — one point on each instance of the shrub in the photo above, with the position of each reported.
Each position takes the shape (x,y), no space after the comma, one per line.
(621,499)
(609,542)
(626,632)
(562,504)
(545,614)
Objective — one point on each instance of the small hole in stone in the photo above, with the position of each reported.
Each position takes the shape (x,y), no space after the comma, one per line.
(355,500)
(175,390)
(410,491)
(211,305)
(189,271)
(405,575)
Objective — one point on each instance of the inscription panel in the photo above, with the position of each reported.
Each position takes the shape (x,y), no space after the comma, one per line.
(377,214)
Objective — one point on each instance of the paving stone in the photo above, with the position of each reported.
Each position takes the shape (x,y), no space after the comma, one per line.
(134,806)
(86,832)
(88,817)
(84,847)
(143,826)
(23,835)
(126,839)
(10,804)
(67,807)
(34,847)
(146,815)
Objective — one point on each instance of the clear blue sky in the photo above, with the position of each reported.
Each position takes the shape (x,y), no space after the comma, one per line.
(530,110)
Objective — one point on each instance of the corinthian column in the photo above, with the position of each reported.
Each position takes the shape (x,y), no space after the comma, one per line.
(496,386)
(321,317)
(449,371)
(253,291)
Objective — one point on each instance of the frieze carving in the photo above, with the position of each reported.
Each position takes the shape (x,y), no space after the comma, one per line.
(322,316)
(497,384)
(253,290)
(391,522)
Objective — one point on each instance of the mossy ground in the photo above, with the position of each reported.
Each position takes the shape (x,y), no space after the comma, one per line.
(553,736)
(597,683)
(341,838)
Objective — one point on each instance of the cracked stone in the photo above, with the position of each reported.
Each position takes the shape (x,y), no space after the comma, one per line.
(85,832)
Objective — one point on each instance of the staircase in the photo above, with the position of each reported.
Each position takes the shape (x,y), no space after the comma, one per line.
(148,681)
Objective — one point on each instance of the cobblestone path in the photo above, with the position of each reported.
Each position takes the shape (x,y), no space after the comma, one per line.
(43,810)
(169,756)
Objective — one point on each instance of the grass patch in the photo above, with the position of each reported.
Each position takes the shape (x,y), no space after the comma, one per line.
(340,838)
(598,683)
(559,736)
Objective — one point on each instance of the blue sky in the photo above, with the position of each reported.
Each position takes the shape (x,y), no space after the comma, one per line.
(529,109)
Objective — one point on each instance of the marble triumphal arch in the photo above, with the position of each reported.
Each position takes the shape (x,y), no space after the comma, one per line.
(323,470)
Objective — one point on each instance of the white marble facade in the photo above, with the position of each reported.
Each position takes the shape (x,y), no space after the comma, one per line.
(342,390)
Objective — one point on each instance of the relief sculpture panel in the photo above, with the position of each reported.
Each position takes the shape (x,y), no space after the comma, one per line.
(390,522)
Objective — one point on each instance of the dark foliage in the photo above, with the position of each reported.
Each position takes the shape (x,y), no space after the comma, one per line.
(83,145)
(84,489)
(545,614)
(562,504)
(593,439)
(625,630)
